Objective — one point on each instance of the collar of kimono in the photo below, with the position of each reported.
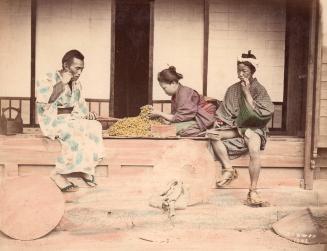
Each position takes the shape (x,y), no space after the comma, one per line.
(179,87)
(254,81)
(177,91)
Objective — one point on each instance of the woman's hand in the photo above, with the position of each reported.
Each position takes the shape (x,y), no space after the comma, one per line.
(155,114)
(158,114)
(218,123)
(91,116)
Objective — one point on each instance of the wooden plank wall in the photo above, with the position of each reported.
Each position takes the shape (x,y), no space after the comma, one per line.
(322,139)
(27,154)
(322,119)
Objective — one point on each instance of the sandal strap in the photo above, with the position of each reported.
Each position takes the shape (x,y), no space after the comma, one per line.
(232,174)
(92,180)
(252,200)
(67,188)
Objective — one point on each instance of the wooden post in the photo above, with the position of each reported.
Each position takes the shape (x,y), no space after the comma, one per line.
(309,132)
(317,95)
(205,47)
(151,43)
(33,44)
(112,63)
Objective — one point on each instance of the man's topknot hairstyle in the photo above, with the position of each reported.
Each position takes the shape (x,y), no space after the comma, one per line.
(247,59)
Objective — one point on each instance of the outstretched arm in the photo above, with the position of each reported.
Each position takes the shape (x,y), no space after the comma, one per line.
(166,116)
(185,109)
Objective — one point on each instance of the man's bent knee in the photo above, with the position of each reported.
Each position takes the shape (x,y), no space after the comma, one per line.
(254,152)
(253,142)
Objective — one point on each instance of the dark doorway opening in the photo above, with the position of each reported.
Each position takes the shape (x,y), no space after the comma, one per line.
(298,15)
(131,65)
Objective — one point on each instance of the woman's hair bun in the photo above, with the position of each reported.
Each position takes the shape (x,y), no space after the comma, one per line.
(172,68)
(169,75)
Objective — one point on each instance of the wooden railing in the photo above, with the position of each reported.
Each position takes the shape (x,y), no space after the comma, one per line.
(22,103)
(101,107)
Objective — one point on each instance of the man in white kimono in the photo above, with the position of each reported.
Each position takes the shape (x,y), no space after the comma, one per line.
(63,114)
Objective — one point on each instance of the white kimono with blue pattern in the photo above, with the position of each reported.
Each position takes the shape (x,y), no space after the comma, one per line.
(81,139)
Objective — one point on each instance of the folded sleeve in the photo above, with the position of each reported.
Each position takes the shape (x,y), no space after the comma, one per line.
(257,115)
(46,112)
(226,110)
(262,103)
(44,89)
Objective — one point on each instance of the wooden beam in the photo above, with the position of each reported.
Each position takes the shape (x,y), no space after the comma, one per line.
(205,46)
(33,44)
(112,63)
(308,146)
(285,91)
(14,98)
(161,101)
(101,100)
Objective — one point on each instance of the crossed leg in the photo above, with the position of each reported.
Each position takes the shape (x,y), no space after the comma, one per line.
(229,173)
(220,149)
(253,142)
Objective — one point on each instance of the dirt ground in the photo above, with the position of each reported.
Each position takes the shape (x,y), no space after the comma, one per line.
(177,238)
(108,218)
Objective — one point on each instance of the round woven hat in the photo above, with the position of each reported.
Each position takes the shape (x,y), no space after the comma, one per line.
(30,207)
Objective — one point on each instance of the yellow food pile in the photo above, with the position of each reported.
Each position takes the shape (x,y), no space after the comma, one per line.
(139,126)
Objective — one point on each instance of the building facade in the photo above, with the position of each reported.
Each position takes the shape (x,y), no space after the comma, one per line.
(126,43)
